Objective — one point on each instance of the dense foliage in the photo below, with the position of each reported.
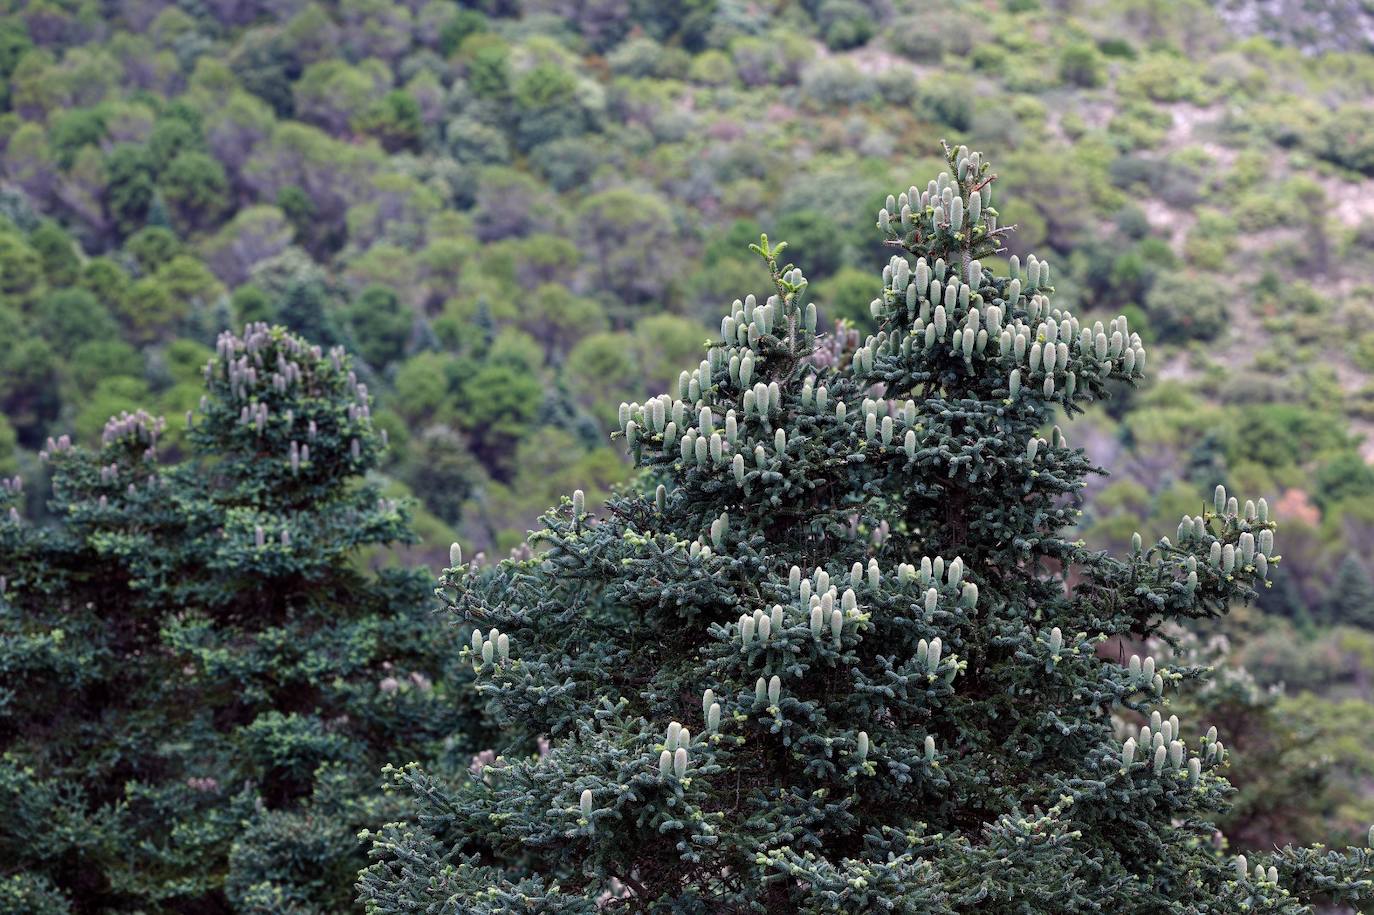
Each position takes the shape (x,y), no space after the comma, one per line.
(846,655)
(478,199)
(517,213)
(199,677)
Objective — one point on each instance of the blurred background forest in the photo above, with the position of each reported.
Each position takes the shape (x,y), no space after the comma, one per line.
(518,214)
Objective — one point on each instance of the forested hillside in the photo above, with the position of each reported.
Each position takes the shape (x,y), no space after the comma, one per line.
(516,215)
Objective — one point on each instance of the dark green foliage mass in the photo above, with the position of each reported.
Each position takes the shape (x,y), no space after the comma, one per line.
(204,663)
(840,651)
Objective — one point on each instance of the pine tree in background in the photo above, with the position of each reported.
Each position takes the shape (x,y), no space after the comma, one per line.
(1350,600)
(840,655)
(199,676)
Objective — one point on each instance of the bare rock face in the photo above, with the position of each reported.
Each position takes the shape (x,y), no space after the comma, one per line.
(1313,26)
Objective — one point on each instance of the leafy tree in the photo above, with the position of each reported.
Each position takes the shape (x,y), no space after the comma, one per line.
(442,466)
(549,106)
(381,325)
(99,359)
(473,143)
(846,296)
(196,188)
(845,24)
(129,188)
(171,137)
(498,405)
(855,584)
(486,59)
(29,386)
(199,675)
(110,396)
(622,231)
(424,386)
(1346,476)
(1182,307)
(266,63)
(394,120)
(152,247)
(21,267)
(601,370)
(557,318)
(332,94)
(190,282)
(72,130)
(1081,65)
(1347,139)
(57,253)
(70,317)
(250,305)
(461,24)
(150,312)
(14,44)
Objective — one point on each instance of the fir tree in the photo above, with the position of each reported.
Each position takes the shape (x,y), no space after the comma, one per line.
(1350,601)
(840,653)
(199,677)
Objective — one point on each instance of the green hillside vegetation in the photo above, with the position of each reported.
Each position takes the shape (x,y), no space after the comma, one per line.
(515,216)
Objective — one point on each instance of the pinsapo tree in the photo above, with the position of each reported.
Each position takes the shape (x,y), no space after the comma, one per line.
(200,676)
(839,652)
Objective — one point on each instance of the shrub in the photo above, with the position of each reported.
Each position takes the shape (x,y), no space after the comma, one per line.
(1347,138)
(1181,307)
(1081,65)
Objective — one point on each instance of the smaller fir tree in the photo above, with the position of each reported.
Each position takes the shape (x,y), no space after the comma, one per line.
(199,678)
